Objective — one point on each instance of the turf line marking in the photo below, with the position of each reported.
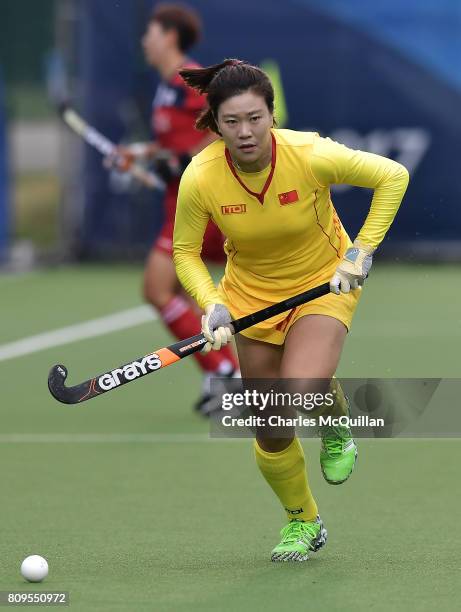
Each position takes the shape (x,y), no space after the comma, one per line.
(80,331)
(162,438)
(89,438)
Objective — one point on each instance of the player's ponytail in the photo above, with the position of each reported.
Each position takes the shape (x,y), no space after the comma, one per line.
(224,80)
(200,78)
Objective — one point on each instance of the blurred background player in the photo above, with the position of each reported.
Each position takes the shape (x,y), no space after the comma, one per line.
(171,31)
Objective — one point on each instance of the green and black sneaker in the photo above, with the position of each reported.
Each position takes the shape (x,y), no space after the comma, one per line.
(338,453)
(299,538)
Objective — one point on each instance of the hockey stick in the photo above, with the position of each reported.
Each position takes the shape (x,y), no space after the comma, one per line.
(164,356)
(105,146)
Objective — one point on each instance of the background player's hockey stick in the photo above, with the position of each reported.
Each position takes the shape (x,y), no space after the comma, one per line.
(105,146)
(164,356)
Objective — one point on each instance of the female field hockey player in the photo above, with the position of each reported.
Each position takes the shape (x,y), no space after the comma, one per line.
(268,190)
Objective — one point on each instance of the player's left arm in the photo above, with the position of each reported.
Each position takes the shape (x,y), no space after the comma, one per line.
(333,163)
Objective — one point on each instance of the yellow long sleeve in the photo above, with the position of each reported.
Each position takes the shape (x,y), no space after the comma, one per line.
(333,163)
(190,225)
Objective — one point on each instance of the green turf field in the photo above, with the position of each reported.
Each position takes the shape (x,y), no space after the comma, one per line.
(136,509)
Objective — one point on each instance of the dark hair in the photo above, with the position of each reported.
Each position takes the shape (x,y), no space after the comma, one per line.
(222,81)
(181,18)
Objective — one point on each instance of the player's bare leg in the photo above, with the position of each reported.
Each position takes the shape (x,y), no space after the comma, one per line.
(261,360)
(160,281)
(258,359)
(313,347)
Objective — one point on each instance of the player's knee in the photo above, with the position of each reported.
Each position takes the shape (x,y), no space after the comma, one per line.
(274,445)
(156,293)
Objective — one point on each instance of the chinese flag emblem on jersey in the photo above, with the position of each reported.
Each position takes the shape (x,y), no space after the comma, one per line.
(289,197)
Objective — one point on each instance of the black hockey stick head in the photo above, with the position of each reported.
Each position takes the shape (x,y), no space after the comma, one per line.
(56,380)
(66,395)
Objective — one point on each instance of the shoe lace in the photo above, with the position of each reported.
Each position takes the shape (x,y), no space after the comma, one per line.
(333,439)
(299,530)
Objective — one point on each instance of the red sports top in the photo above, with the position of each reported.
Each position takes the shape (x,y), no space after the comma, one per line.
(175,109)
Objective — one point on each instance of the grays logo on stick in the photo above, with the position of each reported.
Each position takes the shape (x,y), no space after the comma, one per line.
(129,372)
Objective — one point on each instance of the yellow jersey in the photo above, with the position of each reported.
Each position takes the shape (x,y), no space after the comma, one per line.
(283,233)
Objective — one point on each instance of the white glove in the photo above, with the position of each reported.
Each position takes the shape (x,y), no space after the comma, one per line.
(353,269)
(124,156)
(215,327)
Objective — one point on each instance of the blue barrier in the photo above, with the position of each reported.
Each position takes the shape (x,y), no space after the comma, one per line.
(4,207)
(354,80)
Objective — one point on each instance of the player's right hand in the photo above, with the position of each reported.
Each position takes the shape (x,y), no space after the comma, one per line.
(170,166)
(125,155)
(215,327)
(122,159)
